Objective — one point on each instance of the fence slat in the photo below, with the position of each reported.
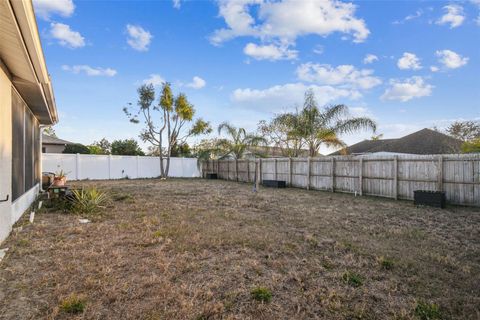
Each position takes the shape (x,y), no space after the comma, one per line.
(395,176)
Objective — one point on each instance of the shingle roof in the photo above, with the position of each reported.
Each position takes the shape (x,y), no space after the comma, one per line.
(425,141)
(52,140)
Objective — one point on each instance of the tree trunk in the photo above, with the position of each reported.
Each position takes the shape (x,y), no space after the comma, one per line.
(169,147)
(313,150)
(162,170)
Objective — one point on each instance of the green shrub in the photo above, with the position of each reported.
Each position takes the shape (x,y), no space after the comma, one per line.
(88,200)
(261,294)
(76,148)
(386,263)
(73,304)
(353,279)
(427,311)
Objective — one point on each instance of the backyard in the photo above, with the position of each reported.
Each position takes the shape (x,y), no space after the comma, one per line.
(206,249)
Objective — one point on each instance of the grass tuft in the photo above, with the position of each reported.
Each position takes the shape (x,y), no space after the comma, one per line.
(261,294)
(353,279)
(122,197)
(427,311)
(73,304)
(386,263)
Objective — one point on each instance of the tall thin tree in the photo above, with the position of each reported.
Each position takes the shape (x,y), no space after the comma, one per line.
(169,127)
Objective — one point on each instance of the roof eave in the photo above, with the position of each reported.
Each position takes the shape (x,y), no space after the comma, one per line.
(24,17)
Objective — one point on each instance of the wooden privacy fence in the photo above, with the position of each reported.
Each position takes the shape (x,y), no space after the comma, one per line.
(387,176)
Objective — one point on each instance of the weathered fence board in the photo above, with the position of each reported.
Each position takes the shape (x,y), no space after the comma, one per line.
(396,176)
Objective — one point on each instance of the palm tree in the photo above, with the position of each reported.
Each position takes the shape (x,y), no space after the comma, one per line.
(238,140)
(324,126)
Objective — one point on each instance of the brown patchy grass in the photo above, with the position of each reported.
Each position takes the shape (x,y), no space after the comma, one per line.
(197,249)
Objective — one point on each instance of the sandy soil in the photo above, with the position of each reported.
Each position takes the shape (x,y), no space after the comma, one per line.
(195,249)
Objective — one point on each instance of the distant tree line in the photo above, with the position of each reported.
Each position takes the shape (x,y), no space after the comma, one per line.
(127,147)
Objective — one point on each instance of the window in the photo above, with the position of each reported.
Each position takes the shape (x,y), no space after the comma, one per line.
(25,148)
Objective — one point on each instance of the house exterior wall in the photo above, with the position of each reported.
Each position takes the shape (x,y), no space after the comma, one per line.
(5,154)
(12,209)
(52,148)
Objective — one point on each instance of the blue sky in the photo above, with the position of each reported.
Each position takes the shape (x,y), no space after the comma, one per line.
(407,64)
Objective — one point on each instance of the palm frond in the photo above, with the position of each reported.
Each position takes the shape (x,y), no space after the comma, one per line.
(225,126)
(334,113)
(355,124)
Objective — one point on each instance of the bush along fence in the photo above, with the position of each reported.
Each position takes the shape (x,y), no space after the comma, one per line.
(104,167)
(395,176)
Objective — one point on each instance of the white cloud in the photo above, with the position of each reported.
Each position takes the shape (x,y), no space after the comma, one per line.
(450,59)
(269,52)
(197,83)
(370,58)
(66,36)
(434,68)
(360,112)
(177,4)
(288,19)
(409,61)
(454,16)
(155,80)
(414,87)
(90,71)
(138,38)
(280,97)
(319,49)
(416,15)
(346,75)
(45,8)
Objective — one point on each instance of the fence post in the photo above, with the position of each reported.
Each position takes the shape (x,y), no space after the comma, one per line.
(395,177)
(257,173)
(275,172)
(290,170)
(260,170)
(440,173)
(236,169)
(109,167)
(360,175)
(138,169)
(228,169)
(77,166)
(248,170)
(332,173)
(308,172)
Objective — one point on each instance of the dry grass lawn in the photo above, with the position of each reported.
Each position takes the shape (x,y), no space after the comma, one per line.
(196,249)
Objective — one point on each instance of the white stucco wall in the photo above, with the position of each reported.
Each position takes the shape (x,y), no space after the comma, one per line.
(53,148)
(10,211)
(5,154)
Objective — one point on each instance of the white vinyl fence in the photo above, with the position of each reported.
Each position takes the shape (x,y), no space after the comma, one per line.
(105,167)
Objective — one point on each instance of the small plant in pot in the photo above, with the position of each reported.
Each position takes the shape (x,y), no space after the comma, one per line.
(60,178)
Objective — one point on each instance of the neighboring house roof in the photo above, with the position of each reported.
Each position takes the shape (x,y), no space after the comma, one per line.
(425,141)
(22,59)
(53,140)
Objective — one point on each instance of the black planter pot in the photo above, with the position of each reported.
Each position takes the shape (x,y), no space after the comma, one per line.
(429,198)
(211,176)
